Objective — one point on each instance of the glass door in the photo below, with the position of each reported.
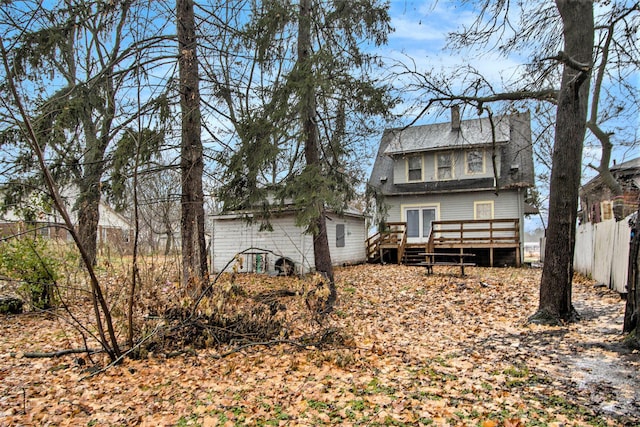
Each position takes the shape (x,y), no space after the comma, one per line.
(419,221)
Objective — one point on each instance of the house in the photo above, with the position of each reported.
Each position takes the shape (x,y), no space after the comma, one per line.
(114,230)
(456,186)
(240,244)
(597,202)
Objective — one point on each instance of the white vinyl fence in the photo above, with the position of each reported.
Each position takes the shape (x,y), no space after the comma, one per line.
(602,252)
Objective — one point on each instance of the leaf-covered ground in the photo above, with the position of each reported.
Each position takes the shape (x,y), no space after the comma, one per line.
(407,349)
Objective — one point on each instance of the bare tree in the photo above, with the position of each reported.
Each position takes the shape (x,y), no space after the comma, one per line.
(538,31)
(557,274)
(632,309)
(194,254)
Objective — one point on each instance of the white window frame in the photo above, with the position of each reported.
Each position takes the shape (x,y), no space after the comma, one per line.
(480,203)
(408,160)
(420,207)
(451,163)
(468,170)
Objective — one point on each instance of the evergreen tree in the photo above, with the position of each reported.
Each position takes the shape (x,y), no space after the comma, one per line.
(308,106)
(76,60)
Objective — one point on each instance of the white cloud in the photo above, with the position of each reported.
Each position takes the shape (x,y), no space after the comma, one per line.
(421,35)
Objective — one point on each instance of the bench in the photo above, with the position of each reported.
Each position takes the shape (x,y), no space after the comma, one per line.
(454,259)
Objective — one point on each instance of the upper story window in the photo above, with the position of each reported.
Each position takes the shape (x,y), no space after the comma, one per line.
(444,165)
(414,168)
(475,162)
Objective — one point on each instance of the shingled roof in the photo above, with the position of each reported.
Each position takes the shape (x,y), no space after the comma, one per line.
(472,133)
(512,137)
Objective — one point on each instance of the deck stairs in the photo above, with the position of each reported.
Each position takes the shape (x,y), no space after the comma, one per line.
(413,254)
(388,245)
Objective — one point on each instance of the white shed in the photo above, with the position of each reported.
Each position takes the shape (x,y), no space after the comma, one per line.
(238,241)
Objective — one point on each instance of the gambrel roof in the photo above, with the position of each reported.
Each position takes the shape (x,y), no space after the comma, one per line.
(510,137)
(472,133)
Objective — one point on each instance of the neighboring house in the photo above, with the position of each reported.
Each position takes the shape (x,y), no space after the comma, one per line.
(239,244)
(114,230)
(597,201)
(462,185)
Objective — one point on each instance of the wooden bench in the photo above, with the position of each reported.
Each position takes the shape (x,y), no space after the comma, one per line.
(454,259)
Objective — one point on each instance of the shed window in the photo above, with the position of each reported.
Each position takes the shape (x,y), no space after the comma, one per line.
(340,236)
(44,230)
(414,168)
(445,166)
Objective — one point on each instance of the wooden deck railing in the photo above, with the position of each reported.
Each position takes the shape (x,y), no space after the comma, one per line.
(393,237)
(492,234)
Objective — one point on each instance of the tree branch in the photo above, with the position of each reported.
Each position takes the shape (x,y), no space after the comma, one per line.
(550,95)
(570,62)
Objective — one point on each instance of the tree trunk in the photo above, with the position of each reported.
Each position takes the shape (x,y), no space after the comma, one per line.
(194,256)
(88,217)
(555,286)
(89,187)
(632,309)
(167,245)
(310,136)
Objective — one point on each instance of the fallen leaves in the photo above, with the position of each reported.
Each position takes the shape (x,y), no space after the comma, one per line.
(409,349)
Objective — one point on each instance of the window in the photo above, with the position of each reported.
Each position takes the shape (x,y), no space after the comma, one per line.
(413,222)
(445,165)
(483,210)
(414,168)
(606,210)
(428,216)
(44,230)
(340,236)
(419,221)
(475,162)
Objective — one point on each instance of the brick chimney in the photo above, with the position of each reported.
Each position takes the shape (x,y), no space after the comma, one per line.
(455,118)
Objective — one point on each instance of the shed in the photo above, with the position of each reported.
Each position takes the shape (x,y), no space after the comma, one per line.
(237,240)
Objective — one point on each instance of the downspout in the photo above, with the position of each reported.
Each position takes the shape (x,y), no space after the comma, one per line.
(213,244)
(302,253)
(521,225)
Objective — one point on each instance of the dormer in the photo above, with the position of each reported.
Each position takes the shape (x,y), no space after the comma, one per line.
(455,156)
(458,150)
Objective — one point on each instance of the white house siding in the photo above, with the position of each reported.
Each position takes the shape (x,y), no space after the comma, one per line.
(460,206)
(232,235)
(353,251)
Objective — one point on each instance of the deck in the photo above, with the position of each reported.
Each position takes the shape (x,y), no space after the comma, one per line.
(464,236)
